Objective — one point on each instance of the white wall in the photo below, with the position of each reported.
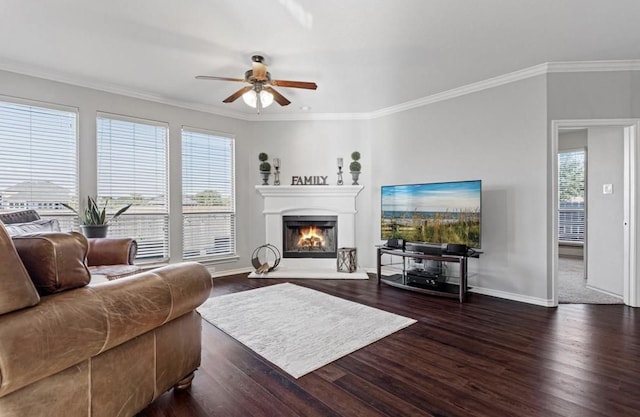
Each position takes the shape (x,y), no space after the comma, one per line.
(605,211)
(572,139)
(497,136)
(594,95)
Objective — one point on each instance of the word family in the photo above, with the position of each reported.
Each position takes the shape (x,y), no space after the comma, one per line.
(310,180)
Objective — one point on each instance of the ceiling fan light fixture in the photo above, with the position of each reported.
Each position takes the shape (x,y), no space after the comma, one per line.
(251,98)
(260,92)
(266,98)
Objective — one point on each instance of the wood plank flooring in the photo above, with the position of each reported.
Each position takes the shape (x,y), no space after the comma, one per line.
(487,357)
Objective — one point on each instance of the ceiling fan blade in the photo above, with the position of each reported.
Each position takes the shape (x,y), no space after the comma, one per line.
(211,77)
(282,100)
(233,97)
(259,71)
(294,84)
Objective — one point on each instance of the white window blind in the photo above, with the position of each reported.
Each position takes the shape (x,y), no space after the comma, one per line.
(132,168)
(38,161)
(208,195)
(571,186)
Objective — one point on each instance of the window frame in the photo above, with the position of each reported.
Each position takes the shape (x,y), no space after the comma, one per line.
(560,210)
(232,210)
(131,213)
(67,218)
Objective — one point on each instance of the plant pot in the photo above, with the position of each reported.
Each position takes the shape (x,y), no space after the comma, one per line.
(265,177)
(94,230)
(354,176)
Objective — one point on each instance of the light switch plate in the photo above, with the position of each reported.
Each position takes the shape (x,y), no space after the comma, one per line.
(607,189)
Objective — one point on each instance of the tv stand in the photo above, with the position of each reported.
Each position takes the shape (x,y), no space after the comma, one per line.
(428,279)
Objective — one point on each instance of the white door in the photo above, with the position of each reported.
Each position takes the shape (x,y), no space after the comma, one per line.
(605,214)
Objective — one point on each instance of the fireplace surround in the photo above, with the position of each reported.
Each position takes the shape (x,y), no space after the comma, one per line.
(310,200)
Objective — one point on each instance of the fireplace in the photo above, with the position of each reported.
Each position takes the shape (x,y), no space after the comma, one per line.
(309,236)
(336,201)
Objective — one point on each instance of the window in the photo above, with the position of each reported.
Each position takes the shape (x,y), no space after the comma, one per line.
(208,195)
(38,162)
(132,168)
(571,178)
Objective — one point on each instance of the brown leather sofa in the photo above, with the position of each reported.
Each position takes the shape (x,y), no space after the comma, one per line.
(109,349)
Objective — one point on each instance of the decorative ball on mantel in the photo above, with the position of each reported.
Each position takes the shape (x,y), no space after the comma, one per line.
(265,167)
(354,167)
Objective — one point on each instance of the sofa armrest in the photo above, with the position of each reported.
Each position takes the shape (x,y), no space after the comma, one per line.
(110,251)
(144,301)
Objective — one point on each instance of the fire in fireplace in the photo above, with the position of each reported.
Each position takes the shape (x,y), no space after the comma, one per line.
(309,236)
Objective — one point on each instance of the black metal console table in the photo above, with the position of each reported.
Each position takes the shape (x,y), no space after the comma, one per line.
(410,279)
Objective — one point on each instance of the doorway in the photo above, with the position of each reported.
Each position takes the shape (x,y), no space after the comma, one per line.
(593,234)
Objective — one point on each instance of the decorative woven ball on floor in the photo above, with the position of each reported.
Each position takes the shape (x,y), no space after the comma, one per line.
(265,258)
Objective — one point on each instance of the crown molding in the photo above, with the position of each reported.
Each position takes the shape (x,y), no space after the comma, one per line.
(594,66)
(464,90)
(21,69)
(536,70)
(310,117)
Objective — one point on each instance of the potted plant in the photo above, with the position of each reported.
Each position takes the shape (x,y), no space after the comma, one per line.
(354,167)
(94,221)
(265,168)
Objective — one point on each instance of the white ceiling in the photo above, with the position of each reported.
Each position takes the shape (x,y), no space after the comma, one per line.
(365,55)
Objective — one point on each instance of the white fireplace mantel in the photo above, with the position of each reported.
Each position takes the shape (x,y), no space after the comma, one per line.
(310,200)
(295,190)
(300,200)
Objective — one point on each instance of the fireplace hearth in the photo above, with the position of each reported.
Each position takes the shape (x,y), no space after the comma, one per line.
(309,236)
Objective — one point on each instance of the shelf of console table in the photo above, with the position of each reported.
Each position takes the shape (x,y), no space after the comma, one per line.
(399,280)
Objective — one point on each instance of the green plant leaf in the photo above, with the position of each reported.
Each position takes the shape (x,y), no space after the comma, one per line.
(70,208)
(93,214)
(119,212)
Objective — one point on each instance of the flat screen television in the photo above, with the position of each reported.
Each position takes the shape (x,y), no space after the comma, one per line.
(434,213)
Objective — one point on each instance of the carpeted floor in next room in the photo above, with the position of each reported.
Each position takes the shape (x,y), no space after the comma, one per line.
(572,287)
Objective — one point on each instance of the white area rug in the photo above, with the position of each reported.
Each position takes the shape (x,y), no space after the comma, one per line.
(297,328)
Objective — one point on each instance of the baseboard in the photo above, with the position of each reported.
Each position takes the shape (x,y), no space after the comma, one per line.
(228,272)
(477,290)
(610,294)
(513,297)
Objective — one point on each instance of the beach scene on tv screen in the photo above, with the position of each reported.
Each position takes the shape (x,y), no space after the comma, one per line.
(436,213)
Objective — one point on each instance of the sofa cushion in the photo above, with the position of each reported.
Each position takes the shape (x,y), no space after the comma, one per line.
(16,289)
(55,261)
(36,226)
(21,216)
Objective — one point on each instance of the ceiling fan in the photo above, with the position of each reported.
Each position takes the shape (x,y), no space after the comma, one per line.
(260,93)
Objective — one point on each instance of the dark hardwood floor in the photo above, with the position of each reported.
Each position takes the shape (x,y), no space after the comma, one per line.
(487,357)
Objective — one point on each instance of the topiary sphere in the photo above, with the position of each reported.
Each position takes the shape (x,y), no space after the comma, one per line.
(263,156)
(265,166)
(355,155)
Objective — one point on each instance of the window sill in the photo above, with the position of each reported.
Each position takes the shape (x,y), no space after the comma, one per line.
(570,243)
(215,261)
